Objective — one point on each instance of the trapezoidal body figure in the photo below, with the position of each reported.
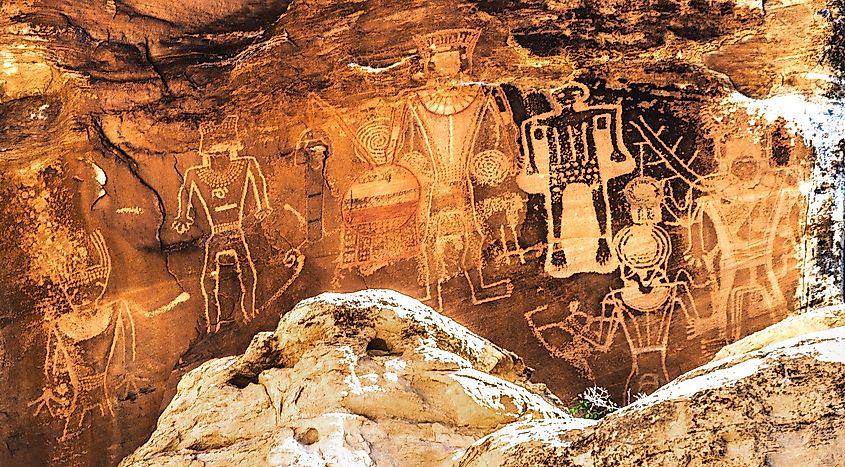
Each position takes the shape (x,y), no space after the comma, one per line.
(571,153)
(458,140)
(223,188)
(746,228)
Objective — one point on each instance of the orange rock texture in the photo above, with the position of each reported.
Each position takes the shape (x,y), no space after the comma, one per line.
(612,190)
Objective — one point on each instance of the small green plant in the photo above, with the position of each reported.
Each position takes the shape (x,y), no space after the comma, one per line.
(594,403)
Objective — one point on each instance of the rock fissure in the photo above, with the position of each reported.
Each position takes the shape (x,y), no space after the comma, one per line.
(148,56)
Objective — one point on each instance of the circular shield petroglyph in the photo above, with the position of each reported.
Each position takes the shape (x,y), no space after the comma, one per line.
(382,200)
(374,137)
(643,246)
(489,167)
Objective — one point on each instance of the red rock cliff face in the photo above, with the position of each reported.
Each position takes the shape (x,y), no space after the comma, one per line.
(578,182)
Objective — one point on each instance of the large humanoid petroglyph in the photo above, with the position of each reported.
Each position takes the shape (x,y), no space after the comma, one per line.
(568,181)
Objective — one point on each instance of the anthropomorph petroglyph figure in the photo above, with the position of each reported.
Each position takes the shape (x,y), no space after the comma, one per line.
(745,229)
(571,153)
(379,199)
(646,303)
(458,139)
(225,186)
(314,146)
(90,343)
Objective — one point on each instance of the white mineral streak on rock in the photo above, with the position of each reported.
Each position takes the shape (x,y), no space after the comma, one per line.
(821,123)
(371,378)
(781,404)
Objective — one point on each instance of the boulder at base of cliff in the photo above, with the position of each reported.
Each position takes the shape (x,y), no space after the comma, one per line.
(780,405)
(370,378)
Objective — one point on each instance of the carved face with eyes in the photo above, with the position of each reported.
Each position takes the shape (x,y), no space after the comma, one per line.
(221,152)
(746,169)
(744,163)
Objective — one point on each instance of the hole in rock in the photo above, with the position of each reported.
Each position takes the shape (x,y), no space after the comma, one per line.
(378,346)
(242,381)
(308,437)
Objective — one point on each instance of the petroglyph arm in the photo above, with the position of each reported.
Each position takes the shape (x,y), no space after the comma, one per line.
(259,187)
(696,325)
(667,153)
(122,355)
(181,298)
(59,392)
(601,330)
(184,217)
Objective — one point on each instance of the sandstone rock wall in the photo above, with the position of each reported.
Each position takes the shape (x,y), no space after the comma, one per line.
(614,190)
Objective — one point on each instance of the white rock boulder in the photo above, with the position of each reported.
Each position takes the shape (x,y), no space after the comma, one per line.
(364,379)
(782,405)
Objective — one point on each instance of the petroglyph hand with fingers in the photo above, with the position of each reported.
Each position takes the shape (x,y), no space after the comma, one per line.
(182,225)
(56,399)
(262,214)
(128,385)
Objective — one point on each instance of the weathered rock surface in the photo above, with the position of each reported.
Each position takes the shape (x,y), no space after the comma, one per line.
(782,405)
(805,323)
(371,378)
(175,175)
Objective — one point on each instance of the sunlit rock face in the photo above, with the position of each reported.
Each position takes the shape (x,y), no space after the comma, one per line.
(371,378)
(613,190)
(778,405)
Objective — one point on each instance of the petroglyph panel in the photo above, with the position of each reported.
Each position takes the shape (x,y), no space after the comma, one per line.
(617,199)
(680,234)
(569,181)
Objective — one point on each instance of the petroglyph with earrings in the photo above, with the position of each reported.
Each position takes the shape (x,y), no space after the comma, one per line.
(458,139)
(222,186)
